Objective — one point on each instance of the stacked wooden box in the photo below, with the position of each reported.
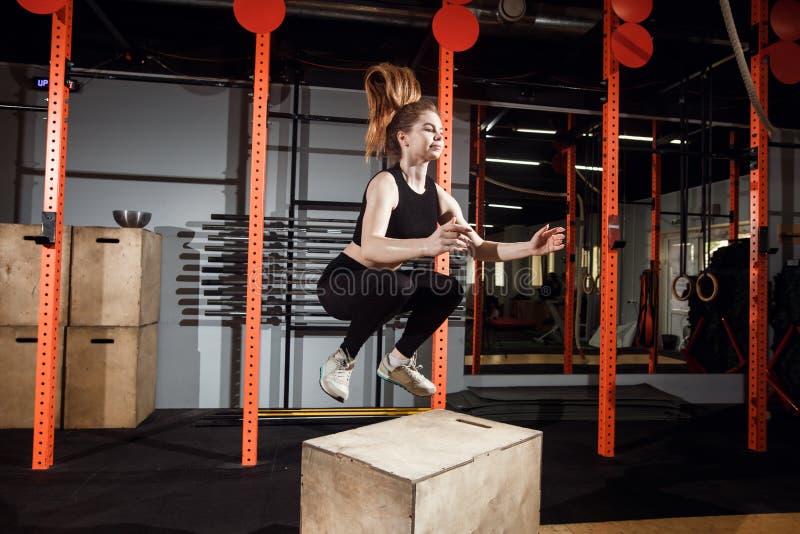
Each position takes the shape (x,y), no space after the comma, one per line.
(112,338)
(108,326)
(20,259)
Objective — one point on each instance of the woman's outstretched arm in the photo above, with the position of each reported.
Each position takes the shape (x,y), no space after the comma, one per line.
(544,241)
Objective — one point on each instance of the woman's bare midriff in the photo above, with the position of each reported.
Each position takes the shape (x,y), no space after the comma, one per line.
(356,252)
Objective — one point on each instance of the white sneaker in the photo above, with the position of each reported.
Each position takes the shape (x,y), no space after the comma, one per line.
(334,375)
(407,377)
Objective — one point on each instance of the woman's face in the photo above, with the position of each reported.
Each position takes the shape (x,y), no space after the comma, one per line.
(425,139)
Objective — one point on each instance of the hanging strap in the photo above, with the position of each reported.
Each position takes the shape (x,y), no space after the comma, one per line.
(706,149)
(684,201)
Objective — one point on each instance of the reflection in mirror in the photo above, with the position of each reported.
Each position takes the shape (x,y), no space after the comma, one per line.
(518,184)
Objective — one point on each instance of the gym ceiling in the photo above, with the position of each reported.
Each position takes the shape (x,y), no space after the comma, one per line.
(533,69)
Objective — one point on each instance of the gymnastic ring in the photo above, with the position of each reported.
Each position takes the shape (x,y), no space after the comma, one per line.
(714,284)
(588,284)
(597,284)
(675,294)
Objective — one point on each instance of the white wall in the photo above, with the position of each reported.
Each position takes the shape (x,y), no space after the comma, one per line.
(784,208)
(181,152)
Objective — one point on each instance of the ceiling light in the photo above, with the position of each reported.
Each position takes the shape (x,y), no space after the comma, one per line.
(535,131)
(636,138)
(588,168)
(675,142)
(505,206)
(512,161)
(485,225)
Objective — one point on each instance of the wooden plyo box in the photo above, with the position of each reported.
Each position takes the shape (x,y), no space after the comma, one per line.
(18,346)
(435,472)
(20,264)
(115,276)
(110,376)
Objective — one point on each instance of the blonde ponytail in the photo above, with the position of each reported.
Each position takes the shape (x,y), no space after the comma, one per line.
(389,88)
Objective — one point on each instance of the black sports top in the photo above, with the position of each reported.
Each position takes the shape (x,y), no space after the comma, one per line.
(416,214)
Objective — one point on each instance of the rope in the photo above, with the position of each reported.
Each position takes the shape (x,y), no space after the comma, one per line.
(730,26)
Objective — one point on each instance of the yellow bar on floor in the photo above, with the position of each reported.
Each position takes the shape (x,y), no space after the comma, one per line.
(342,412)
(728,524)
(558,359)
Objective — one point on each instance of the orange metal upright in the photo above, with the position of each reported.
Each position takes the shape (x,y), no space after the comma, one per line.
(479,163)
(733,227)
(569,299)
(446,70)
(759,219)
(609,261)
(255,250)
(655,243)
(52,219)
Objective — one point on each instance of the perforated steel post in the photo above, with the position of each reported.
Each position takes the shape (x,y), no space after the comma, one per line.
(569,298)
(655,242)
(255,250)
(759,219)
(439,372)
(609,212)
(50,274)
(479,163)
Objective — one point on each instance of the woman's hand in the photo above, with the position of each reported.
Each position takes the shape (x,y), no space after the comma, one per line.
(451,237)
(547,240)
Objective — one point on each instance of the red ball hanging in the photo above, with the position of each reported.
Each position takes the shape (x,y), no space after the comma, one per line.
(785,19)
(632,45)
(455,28)
(632,10)
(42,7)
(784,60)
(259,16)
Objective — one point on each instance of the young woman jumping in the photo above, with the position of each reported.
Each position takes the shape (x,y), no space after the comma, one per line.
(404,215)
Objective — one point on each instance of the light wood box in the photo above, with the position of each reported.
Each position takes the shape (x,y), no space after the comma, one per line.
(18,346)
(433,472)
(115,276)
(110,376)
(20,266)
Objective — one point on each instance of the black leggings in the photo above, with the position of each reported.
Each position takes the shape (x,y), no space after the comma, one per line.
(368,298)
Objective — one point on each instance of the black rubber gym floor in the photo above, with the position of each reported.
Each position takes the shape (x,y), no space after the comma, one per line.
(175,473)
